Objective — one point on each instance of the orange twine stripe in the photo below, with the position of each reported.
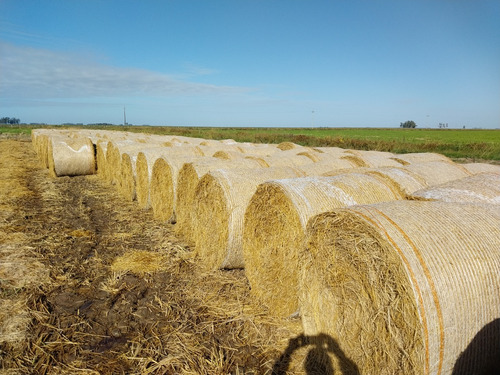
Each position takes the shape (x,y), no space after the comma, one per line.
(415,283)
(432,286)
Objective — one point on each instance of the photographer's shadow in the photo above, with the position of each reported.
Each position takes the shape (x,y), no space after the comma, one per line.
(318,359)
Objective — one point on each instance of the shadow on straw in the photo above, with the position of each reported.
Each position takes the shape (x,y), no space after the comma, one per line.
(317,359)
(482,355)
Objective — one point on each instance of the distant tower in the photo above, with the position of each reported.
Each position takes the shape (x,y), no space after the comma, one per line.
(124,117)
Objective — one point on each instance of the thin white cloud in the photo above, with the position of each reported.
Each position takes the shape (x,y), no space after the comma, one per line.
(28,72)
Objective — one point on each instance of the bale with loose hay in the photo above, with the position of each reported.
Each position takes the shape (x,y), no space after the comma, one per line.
(438,172)
(404,287)
(275,223)
(188,178)
(71,157)
(221,199)
(479,188)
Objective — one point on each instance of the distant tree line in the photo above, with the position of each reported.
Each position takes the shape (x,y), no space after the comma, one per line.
(9,120)
(408,124)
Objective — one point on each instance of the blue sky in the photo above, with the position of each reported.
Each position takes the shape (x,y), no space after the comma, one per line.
(291,63)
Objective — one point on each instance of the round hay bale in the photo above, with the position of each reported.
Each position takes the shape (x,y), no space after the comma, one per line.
(259,149)
(114,152)
(475,168)
(71,157)
(406,182)
(228,155)
(419,157)
(163,185)
(101,148)
(285,146)
(221,198)
(374,159)
(329,150)
(438,172)
(404,287)
(127,181)
(479,188)
(275,224)
(356,161)
(284,159)
(188,178)
(144,170)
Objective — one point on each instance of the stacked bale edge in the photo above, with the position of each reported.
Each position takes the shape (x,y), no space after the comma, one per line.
(275,223)
(188,177)
(163,184)
(479,188)
(221,199)
(405,287)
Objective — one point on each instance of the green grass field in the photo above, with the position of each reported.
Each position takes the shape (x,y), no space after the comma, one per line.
(454,143)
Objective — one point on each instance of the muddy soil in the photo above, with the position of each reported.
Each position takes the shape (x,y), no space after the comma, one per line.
(67,309)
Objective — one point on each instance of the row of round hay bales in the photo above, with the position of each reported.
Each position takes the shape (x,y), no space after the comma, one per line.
(406,286)
(350,240)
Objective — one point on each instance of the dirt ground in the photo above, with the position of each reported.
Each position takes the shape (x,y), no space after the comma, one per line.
(90,283)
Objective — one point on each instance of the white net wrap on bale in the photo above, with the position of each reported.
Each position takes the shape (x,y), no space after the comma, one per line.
(404,287)
(221,199)
(71,156)
(188,177)
(438,172)
(373,159)
(419,157)
(404,181)
(479,188)
(275,224)
(476,168)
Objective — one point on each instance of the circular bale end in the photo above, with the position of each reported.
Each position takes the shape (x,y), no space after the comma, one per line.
(142,180)
(126,182)
(162,190)
(210,222)
(272,227)
(357,290)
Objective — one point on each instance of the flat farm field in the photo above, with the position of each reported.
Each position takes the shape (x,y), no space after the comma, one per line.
(458,144)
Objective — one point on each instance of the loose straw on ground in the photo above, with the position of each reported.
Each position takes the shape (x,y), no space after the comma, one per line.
(275,223)
(221,199)
(404,287)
